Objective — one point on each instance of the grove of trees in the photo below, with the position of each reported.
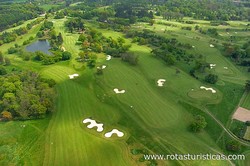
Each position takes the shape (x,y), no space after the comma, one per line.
(198,124)
(25,95)
(12,14)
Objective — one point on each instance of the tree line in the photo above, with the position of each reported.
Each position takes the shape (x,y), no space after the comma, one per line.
(13,14)
(7,37)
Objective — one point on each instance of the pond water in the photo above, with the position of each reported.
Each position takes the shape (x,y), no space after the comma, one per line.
(40,45)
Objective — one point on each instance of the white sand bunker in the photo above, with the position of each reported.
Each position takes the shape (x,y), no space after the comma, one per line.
(63,49)
(102,67)
(242,114)
(114,131)
(108,57)
(160,82)
(119,91)
(93,124)
(73,76)
(211,45)
(212,66)
(203,87)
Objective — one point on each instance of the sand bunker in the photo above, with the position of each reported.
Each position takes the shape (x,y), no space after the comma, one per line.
(108,57)
(114,131)
(226,68)
(203,87)
(102,67)
(93,124)
(63,49)
(73,76)
(211,45)
(160,82)
(119,91)
(242,114)
(212,66)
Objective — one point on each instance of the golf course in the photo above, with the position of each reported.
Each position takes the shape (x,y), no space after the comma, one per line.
(110,111)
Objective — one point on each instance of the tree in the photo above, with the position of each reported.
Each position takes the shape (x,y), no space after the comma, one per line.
(6,115)
(60,39)
(177,71)
(2,70)
(233,146)
(1,57)
(12,50)
(99,71)
(130,58)
(7,61)
(198,124)
(211,78)
(169,59)
(151,22)
(82,38)
(66,55)
(40,34)
(91,63)
(247,86)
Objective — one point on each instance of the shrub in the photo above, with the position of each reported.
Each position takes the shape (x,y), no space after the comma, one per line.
(2,70)
(12,50)
(211,78)
(66,55)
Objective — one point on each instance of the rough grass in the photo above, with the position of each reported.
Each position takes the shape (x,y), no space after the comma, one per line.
(247,134)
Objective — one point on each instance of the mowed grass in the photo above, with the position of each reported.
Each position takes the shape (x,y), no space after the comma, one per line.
(22,142)
(68,141)
(161,116)
(201,46)
(154,109)
(202,95)
(247,133)
(69,41)
(246,101)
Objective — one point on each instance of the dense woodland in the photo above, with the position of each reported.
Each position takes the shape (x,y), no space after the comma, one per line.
(25,95)
(14,14)
(176,9)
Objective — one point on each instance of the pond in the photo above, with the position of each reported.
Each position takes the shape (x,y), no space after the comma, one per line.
(40,45)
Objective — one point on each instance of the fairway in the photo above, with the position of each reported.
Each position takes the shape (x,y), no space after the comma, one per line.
(246,101)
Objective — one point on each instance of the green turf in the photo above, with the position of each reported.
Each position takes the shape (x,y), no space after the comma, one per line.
(247,134)
(246,101)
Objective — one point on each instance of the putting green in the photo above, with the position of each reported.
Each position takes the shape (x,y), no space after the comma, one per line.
(202,95)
